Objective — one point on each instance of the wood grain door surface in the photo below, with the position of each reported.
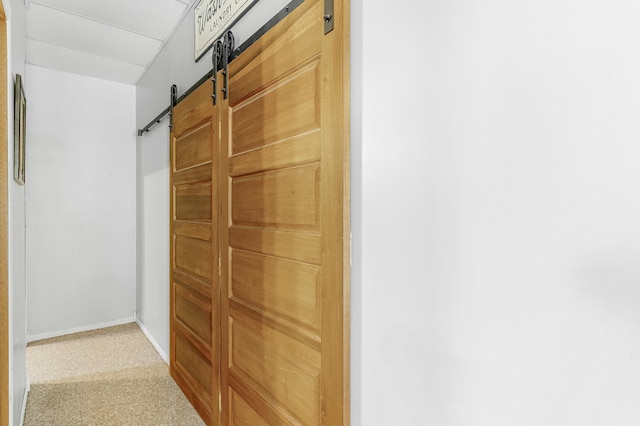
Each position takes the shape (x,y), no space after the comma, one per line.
(259,255)
(194,328)
(284,315)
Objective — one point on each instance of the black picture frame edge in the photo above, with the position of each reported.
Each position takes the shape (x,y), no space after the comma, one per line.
(19,127)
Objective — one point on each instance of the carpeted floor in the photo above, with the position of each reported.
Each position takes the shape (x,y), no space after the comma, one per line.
(111,376)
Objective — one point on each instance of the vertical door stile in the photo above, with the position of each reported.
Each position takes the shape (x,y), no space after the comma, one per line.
(334,190)
(223,178)
(215,242)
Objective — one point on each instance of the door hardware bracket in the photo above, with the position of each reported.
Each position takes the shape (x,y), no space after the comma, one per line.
(174,98)
(215,59)
(328,16)
(227,49)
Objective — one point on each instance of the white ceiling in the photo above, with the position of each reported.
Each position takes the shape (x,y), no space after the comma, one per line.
(108,39)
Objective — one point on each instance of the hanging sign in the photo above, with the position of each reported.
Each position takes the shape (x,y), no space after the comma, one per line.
(214,17)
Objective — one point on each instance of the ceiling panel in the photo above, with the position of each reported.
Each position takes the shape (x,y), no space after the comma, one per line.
(110,39)
(73,32)
(73,61)
(153,18)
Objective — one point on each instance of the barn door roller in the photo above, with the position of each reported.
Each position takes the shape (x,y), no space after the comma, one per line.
(220,57)
(215,58)
(174,98)
(227,48)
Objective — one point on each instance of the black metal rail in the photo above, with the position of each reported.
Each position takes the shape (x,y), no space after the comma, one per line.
(234,54)
(155,121)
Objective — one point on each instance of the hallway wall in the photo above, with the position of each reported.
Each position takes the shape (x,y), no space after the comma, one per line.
(81,202)
(496,206)
(173,65)
(17,217)
(495,211)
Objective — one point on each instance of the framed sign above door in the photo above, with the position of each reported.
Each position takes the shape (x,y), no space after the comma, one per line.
(213,17)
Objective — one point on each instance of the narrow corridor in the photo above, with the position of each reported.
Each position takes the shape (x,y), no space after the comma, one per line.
(111,376)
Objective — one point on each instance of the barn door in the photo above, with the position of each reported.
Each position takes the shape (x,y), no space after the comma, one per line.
(194,325)
(284,302)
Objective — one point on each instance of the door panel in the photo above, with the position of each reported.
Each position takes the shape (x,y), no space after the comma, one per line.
(193,313)
(256,123)
(191,151)
(284,299)
(201,231)
(194,362)
(200,173)
(193,256)
(272,362)
(193,202)
(241,413)
(300,149)
(285,289)
(284,199)
(303,247)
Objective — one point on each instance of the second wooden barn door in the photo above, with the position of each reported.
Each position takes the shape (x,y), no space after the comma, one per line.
(283,303)
(194,328)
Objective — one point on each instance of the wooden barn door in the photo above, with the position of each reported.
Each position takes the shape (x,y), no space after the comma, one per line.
(259,272)
(194,329)
(284,300)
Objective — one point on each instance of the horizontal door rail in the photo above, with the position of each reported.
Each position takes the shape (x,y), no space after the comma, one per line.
(155,121)
(234,54)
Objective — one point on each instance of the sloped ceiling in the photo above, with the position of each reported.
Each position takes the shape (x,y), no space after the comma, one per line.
(109,39)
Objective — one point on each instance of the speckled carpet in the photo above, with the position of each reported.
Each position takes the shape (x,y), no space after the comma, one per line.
(111,376)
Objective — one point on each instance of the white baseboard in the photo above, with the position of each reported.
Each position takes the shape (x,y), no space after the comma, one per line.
(23,410)
(153,341)
(48,335)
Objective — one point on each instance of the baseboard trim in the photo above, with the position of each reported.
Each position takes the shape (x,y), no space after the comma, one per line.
(58,333)
(153,341)
(23,410)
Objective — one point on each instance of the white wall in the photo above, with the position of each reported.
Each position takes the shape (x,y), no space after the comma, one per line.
(496,213)
(81,202)
(17,236)
(174,65)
